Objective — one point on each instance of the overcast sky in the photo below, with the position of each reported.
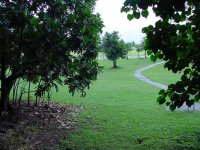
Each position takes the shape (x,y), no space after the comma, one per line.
(114,20)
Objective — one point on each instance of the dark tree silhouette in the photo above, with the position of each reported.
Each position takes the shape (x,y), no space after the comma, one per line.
(114,47)
(175,38)
(47,40)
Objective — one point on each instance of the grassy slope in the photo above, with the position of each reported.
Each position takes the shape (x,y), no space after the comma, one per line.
(121,113)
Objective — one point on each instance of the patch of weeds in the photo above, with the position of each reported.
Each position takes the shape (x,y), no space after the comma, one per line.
(139,140)
(188,142)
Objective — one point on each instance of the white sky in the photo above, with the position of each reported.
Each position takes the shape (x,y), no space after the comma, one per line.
(114,20)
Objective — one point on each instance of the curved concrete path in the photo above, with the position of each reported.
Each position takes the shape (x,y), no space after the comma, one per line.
(138,74)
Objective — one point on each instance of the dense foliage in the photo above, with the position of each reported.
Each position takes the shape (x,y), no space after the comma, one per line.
(44,40)
(175,38)
(114,47)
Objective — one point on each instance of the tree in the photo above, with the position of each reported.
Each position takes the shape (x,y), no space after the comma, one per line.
(53,41)
(142,47)
(175,38)
(139,48)
(130,46)
(113,47)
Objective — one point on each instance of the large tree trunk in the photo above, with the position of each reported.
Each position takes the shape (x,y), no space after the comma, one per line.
(29,89)
(3,100)
(6,86)
(114,63)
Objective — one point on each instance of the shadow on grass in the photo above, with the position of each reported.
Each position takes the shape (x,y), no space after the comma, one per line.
(115,68)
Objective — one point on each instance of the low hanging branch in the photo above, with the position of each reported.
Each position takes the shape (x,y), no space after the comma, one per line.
(53,40)
(175,38)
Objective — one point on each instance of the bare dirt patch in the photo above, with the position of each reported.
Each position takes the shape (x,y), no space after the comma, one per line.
(41,127)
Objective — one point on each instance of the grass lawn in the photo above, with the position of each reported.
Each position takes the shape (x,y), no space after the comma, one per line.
(161,75)
(130,53)
(135,53)
(120,112)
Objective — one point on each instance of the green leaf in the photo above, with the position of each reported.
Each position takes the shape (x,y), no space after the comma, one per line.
(153,58)
(172,107)
(125,9)
(177,17)
(147,29)
(130,17)
(145,13)
(169,93)
(149,52)
(196,98)
(134,8)
(181,54)
(161,100)
(136,15)
(87,10)
(189,103)
(168,103)
(178,26)
(34,21)
(160,56)
(85,39)
(161,92)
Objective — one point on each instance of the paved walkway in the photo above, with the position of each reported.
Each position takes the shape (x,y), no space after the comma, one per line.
(138,74)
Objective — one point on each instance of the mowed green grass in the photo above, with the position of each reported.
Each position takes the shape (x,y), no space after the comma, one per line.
(161,75)
(130,53)
(120,112)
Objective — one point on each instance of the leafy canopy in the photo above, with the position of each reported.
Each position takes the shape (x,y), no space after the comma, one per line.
(51,40)
(175,38)
(113,46)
